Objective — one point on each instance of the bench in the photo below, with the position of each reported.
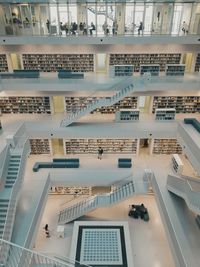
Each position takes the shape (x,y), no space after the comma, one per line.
(70,75)
(21,74)
(194,122)
(124,163)
(56,164)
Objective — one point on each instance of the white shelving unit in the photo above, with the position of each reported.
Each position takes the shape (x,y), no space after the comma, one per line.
(123,70)
(166,146)
(127,115)
(177,164)
(165,114)
(110,146)
(75,190)
(153,69)
(175,70)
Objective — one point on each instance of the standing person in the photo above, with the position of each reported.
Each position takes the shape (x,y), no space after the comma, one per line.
(114,27)
(104,28)
(81,27)
(92,28)
(100,153)
(184,28)
(84,29)
(141,28)
(48,25)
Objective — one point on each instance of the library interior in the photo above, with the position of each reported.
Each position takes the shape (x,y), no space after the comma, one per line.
(99,133)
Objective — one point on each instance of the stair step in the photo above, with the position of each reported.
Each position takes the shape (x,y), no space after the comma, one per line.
(4,200)
(2,215)
(11,178)
(10,182)
(12,173)
(15,156)
(14,161)
(13,169)
(3,206)
(8,186)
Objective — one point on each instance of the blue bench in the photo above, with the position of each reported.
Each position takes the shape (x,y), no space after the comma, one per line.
(194,122)
(66,160)
(56,164)
(21,74)
(70,75)
(124,163)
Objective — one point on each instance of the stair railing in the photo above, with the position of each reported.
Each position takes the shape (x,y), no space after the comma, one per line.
(22,257)
(121,182)
(14,196)
(4,161)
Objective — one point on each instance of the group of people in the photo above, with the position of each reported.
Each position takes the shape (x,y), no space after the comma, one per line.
(74,28)
(106,28)
(83,28)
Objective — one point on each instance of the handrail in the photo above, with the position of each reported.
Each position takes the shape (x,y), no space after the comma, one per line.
(177,252)
(118,182)
(33,224)
(39,257)
(5,154)
(10,216)
(64,258)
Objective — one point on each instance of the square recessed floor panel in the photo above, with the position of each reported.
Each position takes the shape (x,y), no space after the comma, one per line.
(101,244)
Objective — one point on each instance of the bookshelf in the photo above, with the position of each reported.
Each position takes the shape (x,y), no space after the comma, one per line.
(75,190)
(182,104)
(175,70)
(143,59)
(197,64)
(165,114)
(123,70)
(177,164)
(110,146)
(73,104)
(21,104)
(153,69)
(166,146)
(3,63)
(40,146)
(55,62)
(127,115)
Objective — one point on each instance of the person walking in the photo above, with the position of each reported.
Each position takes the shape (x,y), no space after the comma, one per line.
(100,153)
(46,228)
(141,28)
(48,25)
(184,28)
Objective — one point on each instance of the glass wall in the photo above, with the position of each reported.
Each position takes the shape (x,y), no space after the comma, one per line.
(100,18)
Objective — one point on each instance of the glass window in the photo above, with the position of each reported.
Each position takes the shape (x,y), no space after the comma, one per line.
(26,19)
(35,14)
(111,20)
(139,13)
(176,18)
(129,19)
(16,19)
(72,13)
(101,19)
(148,18)
(195,19)
(44,18)
(8,19)
(64,19)
(91,16)
(53,27)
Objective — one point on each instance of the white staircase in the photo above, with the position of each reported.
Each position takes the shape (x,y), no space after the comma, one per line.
(3,212)
(187,189)
(103,102)
(13,169)
(102,11)
(101,200)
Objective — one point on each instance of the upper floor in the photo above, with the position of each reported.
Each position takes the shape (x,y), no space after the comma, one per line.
(99,19)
